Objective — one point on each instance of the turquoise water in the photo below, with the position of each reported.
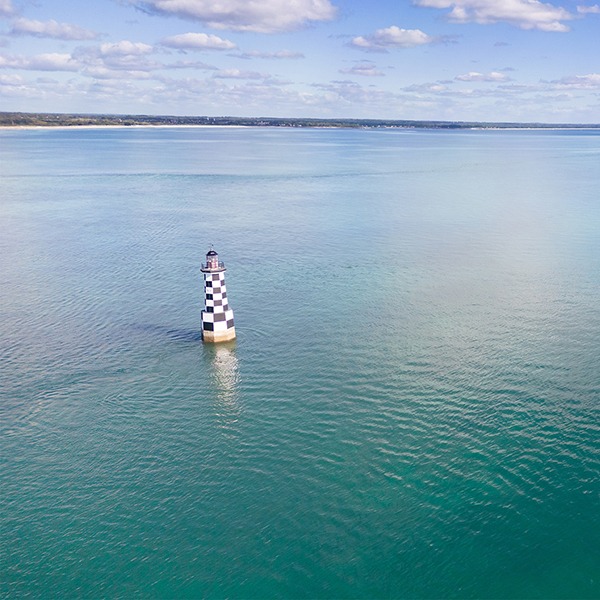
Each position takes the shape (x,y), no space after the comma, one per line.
(411,408)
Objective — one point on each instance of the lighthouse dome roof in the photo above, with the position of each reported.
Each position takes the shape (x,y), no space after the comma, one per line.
(211,252)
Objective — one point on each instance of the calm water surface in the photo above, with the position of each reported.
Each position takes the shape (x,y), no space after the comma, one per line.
(411,408)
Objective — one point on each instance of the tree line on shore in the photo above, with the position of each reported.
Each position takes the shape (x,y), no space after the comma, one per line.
(22,119)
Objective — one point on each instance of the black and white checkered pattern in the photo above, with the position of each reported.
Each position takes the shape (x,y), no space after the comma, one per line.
(216,316)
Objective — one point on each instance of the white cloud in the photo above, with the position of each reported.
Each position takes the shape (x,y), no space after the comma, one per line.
(526,14)
(391,37)
(427,88)
(10,79)
(125,48)
(585,10)
(239,74)
(226,95)
(264,16)
(121,60)
(51,29)
(6,8)
(40,62)
(190,64)
(281,54)
(367,69)
(475,76)
(338,95)
(102,72)
(53,62)
(131,57)
(198,41)
(580,82)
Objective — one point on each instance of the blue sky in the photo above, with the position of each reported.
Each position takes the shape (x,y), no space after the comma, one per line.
(483,60)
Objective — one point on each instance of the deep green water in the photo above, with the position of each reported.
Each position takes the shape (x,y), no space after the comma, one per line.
(411,408)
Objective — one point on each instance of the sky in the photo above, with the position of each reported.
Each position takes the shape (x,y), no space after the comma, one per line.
(456,60)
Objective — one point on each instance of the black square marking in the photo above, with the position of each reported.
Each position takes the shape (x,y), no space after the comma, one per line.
(208,327)
(220,317)
(230,324)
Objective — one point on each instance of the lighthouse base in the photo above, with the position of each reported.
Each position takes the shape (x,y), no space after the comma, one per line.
(219,336)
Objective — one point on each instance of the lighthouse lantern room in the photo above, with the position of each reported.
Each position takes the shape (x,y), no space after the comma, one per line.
(217,317)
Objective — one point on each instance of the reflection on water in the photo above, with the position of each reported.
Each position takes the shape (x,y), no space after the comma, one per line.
(225,379)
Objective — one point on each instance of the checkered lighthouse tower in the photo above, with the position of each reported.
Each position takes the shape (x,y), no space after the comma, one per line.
(217,317)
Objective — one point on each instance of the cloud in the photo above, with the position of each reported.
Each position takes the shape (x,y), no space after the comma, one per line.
(264,16)
(11,79)
(226,95)
(494,76)
(197,41)
(89,62)
(585,10)
(102,72)
(6,8)
(127,56)
(337,95)
(120,61)
(526,14)
(391,37)
(281,54)
(51,29)
(366,68)
(125,48)
(239,74)
(40,62)
(190,64)
(579,82)
(427,88)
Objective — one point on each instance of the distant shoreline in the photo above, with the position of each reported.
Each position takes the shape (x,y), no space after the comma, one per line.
(448,129)
(119,126)
(12,120)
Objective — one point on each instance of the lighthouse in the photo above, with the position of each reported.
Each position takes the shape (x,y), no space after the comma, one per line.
(217,317)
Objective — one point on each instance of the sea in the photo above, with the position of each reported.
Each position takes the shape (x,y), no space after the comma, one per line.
(411,408)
